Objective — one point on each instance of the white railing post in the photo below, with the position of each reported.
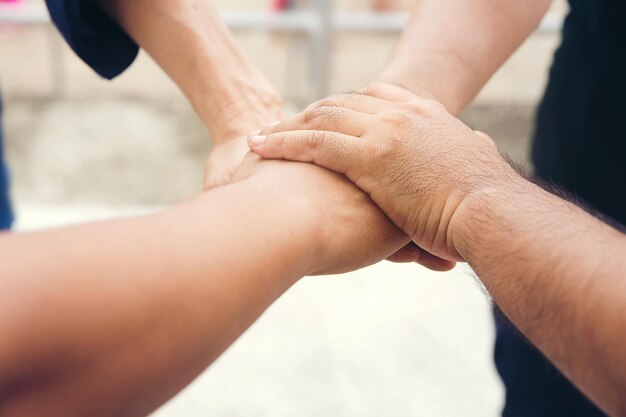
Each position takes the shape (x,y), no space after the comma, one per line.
(320,50)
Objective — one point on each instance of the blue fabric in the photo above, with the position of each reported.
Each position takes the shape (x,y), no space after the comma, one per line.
(6,213)
(534,387)
(98,41)
(95,38)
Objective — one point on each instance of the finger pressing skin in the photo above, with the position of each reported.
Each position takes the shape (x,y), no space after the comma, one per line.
(435,263)
(413,253)
(338,152)
(328,118)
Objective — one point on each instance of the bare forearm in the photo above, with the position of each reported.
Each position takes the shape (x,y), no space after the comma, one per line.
(190,42)
(452,47)
(557,273)
(115,318)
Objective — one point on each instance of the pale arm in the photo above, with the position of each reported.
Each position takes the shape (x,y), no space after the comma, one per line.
(452,47)
(193,46)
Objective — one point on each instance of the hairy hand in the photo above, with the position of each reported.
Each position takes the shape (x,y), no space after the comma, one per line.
(416,161)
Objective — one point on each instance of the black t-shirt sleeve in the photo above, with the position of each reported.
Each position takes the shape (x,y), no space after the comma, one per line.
(95,38)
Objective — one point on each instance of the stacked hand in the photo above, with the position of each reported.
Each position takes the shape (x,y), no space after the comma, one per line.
(223,162)
(258,104)
(351,232)
(228,163)
(417,162)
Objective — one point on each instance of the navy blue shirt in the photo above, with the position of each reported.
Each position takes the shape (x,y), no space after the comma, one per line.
(98,41)
(579,144)
(6,214)
(95,38)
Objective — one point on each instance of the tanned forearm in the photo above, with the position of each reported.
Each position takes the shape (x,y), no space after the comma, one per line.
(556,271)
(190,42)
(113,319)
(558,274)
(452,47)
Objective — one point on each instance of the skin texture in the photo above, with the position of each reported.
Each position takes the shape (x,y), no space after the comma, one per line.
(115,318)
(451,48)
(229,94)
(191,44)
(556,271)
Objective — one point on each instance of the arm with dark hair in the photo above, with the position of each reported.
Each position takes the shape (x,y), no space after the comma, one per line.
(556,271)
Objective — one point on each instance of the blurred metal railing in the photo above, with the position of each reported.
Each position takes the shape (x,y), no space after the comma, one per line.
(317,24)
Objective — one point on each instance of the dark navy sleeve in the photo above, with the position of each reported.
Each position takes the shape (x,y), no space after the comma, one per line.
(95,38)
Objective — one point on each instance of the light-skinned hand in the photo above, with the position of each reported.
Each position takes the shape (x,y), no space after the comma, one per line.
(352,231)
(417,162)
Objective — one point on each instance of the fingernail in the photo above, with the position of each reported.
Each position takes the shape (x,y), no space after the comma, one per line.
(257,140)
(255,133)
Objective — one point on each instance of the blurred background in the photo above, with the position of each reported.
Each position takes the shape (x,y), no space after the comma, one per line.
(389,340)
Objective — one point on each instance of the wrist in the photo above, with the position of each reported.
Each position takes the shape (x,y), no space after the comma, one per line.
(276,230)
(408,81)
(481,209)
(424,85)
(295,221)
(234,112)
(194,47)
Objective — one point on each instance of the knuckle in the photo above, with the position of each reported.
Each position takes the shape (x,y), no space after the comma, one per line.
(313,106)
(278,140)
(319,112)
(326,102)
(307,117)
(327,114)
(371,90)
(315,139)
(435,106)
(337,100)
(397,119)
(315,111)
(332,100)
(426,108)
(381,151)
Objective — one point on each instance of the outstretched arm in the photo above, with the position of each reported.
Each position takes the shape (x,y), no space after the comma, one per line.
(115,318)
(556,271)
(452,47)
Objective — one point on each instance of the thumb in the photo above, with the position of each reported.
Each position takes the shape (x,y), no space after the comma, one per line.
(335,151)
